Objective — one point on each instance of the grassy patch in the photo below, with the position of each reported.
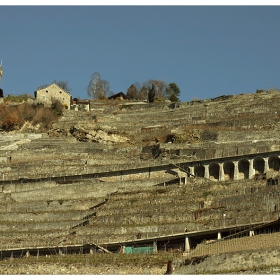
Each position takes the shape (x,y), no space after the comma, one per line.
(96,259)
(205,194)
(134,200)
(159,191)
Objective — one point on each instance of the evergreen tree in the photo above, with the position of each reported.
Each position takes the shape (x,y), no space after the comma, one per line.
(151,94)
(173,92)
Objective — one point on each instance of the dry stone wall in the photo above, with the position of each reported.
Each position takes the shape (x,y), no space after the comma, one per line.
(107,174)
(250,254)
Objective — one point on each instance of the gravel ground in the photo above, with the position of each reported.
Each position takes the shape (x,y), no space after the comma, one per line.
(269,271)
(87,269)
(78,269)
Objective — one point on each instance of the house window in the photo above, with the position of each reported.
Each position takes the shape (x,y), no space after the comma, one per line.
(43,97)
(47,91)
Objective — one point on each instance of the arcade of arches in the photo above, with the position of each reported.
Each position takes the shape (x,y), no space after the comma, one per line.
(235,169)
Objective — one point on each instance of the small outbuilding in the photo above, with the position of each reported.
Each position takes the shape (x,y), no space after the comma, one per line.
(80,105)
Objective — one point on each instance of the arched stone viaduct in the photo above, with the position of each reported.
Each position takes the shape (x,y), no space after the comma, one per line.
(234,168)
(217,169)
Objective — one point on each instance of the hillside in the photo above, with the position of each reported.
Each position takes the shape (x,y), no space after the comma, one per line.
(125,169)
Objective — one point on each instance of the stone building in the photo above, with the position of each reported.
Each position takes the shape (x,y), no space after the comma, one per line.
(52,92)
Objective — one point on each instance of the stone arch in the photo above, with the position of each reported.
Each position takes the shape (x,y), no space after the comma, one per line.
(274,162)
(228,170)
(258,165)
(199,171)
(243,167)
(214,171)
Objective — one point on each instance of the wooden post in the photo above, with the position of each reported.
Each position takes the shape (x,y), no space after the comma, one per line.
(169,268)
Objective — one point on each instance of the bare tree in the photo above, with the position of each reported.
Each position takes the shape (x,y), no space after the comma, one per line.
(132,92)
(63,85)
(97,88)
(1,72)
(42,86)
(159,86)
(143,93)
(138,86)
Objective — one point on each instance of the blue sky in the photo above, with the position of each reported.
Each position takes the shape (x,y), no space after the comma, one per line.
(207,51)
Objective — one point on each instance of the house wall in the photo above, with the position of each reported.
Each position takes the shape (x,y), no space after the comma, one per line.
(46,95)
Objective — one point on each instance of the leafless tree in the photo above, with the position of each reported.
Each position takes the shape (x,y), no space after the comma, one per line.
(97,88)
(159,86)
(143,93)
(132,92)
(63,85)
(1,72)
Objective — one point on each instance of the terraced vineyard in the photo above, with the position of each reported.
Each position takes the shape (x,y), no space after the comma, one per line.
(111,174)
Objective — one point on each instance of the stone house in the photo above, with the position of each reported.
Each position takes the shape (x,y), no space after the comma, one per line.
(48,94)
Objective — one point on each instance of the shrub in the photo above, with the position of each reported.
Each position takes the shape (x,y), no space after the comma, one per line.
(259,90)
(38,116)
(272,89)
(14,116)
(57,106)
(15,98)
(26,112)
(10,121)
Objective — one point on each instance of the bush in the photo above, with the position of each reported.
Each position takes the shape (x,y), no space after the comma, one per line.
(15,116)
(259,90)
(58,107)
(15,98)
(10,121)
(272,89)
(102,97)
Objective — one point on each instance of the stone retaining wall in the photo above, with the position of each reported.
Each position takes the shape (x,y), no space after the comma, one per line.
(129,187)
(241,254)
